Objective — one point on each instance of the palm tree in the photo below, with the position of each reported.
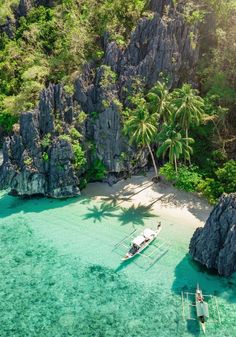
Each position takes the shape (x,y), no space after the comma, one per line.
(141,127)
(189,107)
(173,143)
(159,100)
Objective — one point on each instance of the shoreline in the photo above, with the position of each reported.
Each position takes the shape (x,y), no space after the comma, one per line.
(161,198)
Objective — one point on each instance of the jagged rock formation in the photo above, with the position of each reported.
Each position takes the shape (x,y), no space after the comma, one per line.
(214,245)
(25,169)
(160,45)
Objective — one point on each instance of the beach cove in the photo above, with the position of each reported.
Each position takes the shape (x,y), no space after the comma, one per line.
(61,272)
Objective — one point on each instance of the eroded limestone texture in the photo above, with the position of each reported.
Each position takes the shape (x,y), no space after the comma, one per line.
(214,245)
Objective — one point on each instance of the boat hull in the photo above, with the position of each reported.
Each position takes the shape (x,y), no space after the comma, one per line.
(129,256)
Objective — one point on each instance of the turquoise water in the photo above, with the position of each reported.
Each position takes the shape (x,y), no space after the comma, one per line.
(61,274)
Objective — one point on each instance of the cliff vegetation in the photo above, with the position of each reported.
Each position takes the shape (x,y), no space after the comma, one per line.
(118,85)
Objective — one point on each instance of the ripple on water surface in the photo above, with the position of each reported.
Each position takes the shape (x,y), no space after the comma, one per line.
(61,277)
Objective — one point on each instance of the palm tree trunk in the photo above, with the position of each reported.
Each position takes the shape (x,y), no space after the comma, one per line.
(187,146)
(176,167)
(153,160)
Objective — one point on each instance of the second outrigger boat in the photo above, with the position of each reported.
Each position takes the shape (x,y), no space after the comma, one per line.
(201,308)
(142,241)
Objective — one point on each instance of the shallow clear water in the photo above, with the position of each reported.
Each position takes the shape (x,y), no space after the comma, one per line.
(61,274)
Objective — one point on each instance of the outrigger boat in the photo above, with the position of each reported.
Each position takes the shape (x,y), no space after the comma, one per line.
(201,308)
(142,241)
(197,301)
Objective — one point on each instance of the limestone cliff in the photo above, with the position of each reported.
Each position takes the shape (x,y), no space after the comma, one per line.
(214,246)
(160,45)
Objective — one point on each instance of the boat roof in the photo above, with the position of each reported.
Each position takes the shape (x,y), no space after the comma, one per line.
(202,309)
(148,233)
(138,240)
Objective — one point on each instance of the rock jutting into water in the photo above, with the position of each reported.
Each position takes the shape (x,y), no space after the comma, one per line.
(214,245)
(160,45)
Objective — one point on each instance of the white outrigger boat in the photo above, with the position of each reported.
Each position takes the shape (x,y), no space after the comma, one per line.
(197,301)
(142,241)
(201,308)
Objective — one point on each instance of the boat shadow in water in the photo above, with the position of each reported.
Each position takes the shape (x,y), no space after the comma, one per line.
(193,328)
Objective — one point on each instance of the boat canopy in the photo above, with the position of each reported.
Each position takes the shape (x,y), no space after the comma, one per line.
(138,240)
(202,309)
(148,233)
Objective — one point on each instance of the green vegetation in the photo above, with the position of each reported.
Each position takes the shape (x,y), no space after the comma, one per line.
(46,141)
(188,129)
(7,120)
(140,125)
(187,178)
(45,156)
(28,161)
(173,143)
(79,156)
(75,134)
(97,171)
(163,120)
(108,76)
(51,44)
(193,179)
(6,9)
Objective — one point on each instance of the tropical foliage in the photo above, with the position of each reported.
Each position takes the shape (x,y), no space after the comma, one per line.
(51,44)
(173,143)
(141,126)
(180,126)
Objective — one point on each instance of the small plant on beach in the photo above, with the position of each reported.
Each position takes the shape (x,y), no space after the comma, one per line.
(187,178)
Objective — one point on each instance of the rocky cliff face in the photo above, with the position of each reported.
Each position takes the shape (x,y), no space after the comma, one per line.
(214,246)
(160,45)
(35,163)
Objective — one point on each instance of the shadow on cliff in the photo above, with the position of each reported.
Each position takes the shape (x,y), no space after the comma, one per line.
(12,205)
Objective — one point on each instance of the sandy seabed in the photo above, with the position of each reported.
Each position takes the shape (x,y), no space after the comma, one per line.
(61,272)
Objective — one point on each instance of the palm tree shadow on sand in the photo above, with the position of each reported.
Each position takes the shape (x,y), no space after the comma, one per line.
(103,211)
(135,214)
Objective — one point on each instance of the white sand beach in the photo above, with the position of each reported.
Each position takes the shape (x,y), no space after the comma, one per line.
(162,198)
